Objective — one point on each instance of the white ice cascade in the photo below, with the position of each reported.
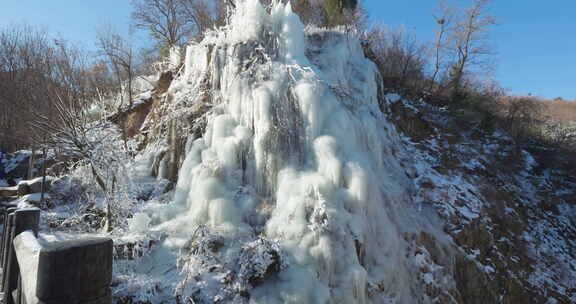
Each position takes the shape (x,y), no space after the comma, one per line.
(297,150)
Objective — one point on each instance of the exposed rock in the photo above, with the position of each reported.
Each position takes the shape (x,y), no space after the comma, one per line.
(411,122)
(164,82)
(132,119)
(23,189)
(472,283)
(135,118)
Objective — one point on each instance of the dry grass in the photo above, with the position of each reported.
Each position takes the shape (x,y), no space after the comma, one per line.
(548,121)
(561,111)
(557,110)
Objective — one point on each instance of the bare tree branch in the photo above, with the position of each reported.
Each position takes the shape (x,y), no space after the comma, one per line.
(468,39)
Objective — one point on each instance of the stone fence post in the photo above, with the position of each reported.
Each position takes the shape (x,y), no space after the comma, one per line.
(22,220)
(75,272)
(45,272)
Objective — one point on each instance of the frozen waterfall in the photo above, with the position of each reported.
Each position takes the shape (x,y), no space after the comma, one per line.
(295,150)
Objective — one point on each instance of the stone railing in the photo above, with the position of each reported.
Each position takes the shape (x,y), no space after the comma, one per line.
(35,270)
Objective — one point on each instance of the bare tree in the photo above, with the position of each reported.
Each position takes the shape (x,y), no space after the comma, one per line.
(200,15)
(469,41)
(163,19)
(101,81)
(119,54)
(399,57)
(33,68)
(522,116)
(443,18)
(173,22)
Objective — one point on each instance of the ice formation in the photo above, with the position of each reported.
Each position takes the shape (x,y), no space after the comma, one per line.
(295,150)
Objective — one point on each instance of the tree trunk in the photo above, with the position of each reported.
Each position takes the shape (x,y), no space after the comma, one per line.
(98,178)
(43,186)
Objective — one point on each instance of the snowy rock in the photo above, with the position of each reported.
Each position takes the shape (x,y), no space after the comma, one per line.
(35,185)
(33,198)
(139,222)
(260,260)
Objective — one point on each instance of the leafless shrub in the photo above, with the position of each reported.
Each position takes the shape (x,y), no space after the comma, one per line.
(117,53)
(97,145)
(554,122)
(522,116)
(400,59)
(561,111)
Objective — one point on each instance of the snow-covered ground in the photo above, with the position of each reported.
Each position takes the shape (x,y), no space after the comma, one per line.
(513,221)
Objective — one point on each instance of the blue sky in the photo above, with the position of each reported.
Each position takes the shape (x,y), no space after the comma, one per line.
(74,20)
(535,40)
